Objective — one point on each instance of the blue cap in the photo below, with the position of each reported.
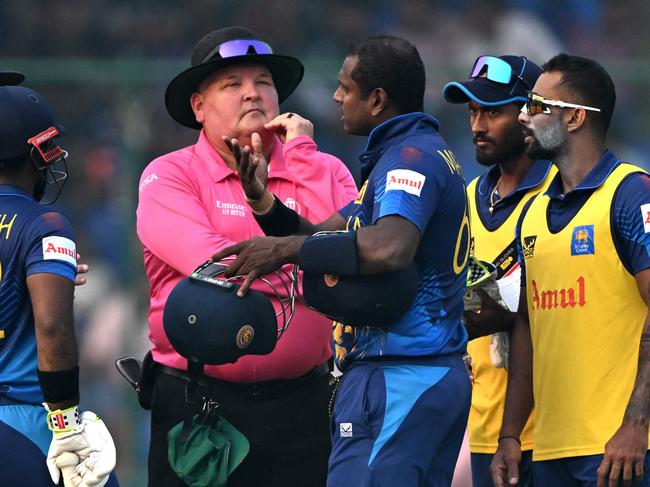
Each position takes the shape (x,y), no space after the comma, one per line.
(24,113)
(491,93)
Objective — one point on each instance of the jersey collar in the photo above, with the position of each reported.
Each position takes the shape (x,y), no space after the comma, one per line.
(11,190)
(536,176)
(387,134)
(594,179)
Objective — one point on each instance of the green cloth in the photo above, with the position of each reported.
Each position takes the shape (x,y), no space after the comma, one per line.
(209,454)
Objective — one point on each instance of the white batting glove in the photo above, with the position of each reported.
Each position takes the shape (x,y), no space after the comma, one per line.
(86,436)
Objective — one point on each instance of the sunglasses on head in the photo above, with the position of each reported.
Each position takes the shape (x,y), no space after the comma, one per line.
(497,70)
(239,47)
(536,104)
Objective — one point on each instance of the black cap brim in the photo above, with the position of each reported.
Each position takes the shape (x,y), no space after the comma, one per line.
(287,73)
(481,91)
(11,78)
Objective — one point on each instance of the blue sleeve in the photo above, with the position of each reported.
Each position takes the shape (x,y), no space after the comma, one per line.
(345,211)
(520,254)
(51,247)
(409,185)
(631,230)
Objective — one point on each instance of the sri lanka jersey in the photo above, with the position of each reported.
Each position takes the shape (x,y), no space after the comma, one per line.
(33,239)
(414,175)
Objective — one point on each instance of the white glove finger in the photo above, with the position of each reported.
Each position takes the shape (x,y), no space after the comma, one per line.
(93,476)
(66,462)
(96,468)
(55,473)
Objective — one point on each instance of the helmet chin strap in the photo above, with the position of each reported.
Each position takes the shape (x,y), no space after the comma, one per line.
(55,174)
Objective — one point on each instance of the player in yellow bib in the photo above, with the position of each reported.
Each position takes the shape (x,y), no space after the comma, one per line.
(495,92)
(581,341)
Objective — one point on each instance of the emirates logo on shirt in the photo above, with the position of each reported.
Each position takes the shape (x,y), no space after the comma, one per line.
(232,209)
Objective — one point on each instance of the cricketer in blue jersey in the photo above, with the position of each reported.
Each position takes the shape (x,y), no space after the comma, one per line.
(402,404)
(41,446)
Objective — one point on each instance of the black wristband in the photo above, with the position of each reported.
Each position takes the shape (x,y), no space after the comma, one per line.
(330,253)
(59,385)
(280,221)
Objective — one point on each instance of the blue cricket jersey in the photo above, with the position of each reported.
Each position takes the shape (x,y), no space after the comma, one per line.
(413,174)
(33,239)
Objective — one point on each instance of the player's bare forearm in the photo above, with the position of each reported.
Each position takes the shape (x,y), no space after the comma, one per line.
(492,318)
(279,221)
(638,407)
(333,223)
(625,452)
(504,468)
(519,395)
(52,296)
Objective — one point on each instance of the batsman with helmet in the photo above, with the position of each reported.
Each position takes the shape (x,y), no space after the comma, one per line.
(38,349)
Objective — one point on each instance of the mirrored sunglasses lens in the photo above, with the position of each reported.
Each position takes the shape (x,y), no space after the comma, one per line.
(243,47)
(534,105)
(479,64)
(498,70)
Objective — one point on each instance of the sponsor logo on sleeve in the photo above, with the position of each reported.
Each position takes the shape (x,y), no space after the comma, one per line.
(147,181)
(582,241)
(405,180)
(645,214)
(345,430)
(60,248)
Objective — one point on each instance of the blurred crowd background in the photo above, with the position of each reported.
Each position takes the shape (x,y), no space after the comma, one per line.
(104,66)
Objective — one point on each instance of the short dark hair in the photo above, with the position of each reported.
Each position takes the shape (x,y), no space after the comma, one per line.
(393,64)
(589,84)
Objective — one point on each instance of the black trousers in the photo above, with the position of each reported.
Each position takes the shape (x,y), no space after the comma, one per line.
(286,424)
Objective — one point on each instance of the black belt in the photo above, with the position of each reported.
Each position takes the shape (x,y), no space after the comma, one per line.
(253,390)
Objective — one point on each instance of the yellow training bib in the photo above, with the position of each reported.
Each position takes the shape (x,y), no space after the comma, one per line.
(586,317)
(490,383)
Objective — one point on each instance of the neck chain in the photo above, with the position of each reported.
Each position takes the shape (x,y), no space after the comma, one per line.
(493,194)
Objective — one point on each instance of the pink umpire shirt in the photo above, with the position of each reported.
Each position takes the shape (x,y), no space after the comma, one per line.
(191,205)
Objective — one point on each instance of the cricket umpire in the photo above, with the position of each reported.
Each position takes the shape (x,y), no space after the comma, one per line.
(191,203)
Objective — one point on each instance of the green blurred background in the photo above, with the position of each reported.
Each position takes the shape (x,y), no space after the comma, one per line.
(104,66)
